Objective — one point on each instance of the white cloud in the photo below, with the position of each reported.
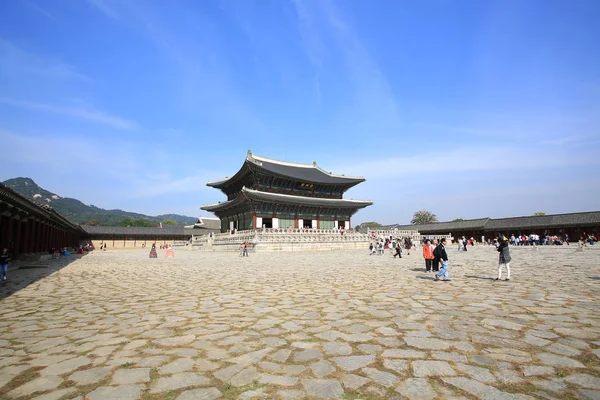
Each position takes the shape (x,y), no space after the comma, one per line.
(14,61)
(103,7)
(90,113)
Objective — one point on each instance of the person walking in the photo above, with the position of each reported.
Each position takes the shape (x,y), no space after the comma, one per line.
(4,260)
(398,249)
(436,261)
(443,257)
(428,255)
(504,258)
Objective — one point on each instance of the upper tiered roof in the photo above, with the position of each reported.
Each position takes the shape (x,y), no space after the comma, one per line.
(296,171)
(250,194)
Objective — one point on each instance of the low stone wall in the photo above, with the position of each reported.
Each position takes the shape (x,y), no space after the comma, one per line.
(268,240)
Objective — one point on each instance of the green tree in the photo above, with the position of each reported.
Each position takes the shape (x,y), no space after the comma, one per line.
(458,219)
(423,217)
(92,222)
(137,222)
(366,225)
(539,214)
(168,221)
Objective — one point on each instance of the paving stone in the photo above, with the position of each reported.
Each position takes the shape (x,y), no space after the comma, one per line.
(533,370)
(322,368)
(352,363)
(252,357)
(483,391)
(251,394)
(40,384)
(417,389)
(124,392)
(175,341)
(307,355)
(89,376)
(398,366)
(281,355)
(179,365)
(323,388)
(291,394)
(66,366)
(559,361)
(245,377)
(426,368)
(227,373)
(278,380)
(381,377)
(589,394)
(353,382)
(426,343)
(200,394)
(337,348)
(56,394)
(130,376)
(477,373)
(400,353)
(294,369)
(178,381)
(584,380)
(552,385)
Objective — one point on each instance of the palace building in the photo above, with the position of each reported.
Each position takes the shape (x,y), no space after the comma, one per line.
(276,194)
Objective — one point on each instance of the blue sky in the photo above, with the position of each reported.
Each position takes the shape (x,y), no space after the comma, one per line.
(465,108)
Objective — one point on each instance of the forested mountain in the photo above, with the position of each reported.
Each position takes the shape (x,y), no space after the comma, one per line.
(80,213)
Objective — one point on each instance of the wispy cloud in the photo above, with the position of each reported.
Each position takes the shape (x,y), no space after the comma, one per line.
(90,114)
(464,160)
(15,61)
(326,34)
(39,9)
(103,6)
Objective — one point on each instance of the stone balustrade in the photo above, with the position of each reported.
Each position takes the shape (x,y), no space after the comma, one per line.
(282,239)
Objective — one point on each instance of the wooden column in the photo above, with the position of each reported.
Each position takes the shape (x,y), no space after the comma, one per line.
(3,231)
(9,234)
(25,237)
(16,251)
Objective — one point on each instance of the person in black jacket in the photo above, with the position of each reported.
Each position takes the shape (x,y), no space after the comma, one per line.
(440,253)
(504,257)
(4,259)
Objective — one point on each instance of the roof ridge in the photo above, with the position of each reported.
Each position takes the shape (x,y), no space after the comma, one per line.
(250,157)
(247,190)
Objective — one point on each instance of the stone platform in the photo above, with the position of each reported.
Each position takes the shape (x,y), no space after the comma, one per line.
(204,325)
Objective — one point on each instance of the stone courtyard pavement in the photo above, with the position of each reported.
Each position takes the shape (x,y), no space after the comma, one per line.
(118,325)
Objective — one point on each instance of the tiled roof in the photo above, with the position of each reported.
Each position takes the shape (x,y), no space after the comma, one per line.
(30,208)
(296,171)
(286,199)
(146,231)
(545,221)
(470,224)
(500,224)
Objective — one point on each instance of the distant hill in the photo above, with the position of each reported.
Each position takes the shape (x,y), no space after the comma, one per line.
(80,213)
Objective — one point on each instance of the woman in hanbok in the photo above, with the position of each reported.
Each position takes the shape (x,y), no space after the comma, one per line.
(153,251)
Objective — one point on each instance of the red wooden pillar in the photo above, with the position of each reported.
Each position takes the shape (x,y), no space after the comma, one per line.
(296,221)
(25,237)
(254,221)
(43,233)
(9,234)
(3,232)
(32,235)
(16,251)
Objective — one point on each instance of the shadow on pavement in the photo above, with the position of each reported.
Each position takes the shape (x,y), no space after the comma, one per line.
(596,278)
(485,278)
(27,273)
